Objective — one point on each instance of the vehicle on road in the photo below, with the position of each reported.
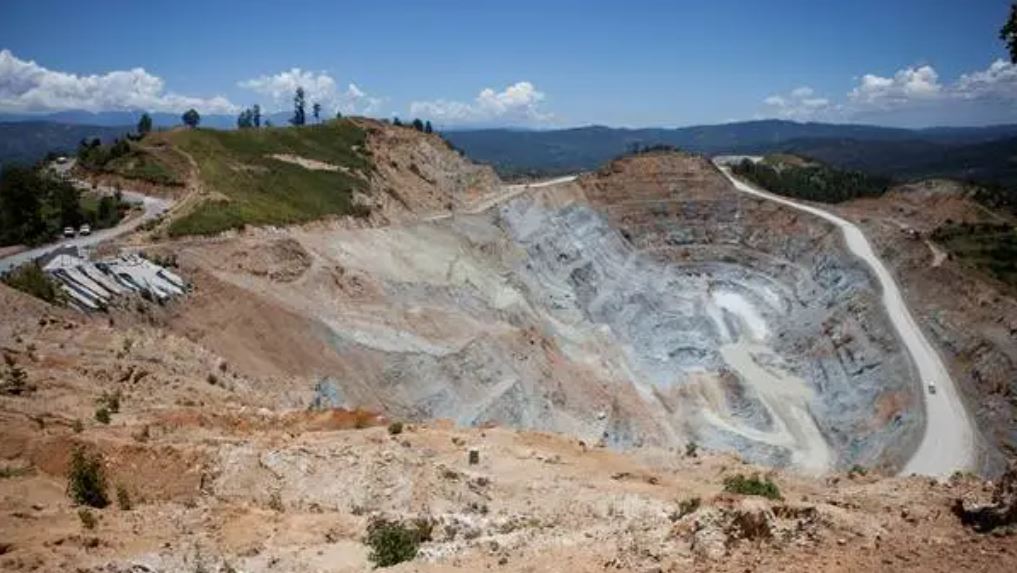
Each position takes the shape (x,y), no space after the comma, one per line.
(932,388)
(85,230)
(69,232)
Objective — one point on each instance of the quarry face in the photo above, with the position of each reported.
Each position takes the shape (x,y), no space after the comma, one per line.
(648,304)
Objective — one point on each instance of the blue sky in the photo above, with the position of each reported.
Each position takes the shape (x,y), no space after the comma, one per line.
(544,64)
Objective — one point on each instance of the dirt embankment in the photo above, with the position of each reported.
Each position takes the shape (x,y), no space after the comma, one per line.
(971,317)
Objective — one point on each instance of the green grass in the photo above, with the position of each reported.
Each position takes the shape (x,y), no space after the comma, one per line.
(260,190)
(147,166)
(31,279)
(751,485)
(990,247)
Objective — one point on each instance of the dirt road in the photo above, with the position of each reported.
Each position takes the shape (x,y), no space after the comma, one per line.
(152,207)
(948,443)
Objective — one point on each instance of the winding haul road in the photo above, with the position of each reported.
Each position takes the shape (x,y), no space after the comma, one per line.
(948,444)
(152,207)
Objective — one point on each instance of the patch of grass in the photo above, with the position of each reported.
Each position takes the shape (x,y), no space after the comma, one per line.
(86,479)
(989,247)
(30,278)
(88,520)
(395,428)
(752,485)
(391,542)
(260,190)
(146,166)
(13,472)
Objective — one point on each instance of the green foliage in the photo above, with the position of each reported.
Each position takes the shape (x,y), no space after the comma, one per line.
(88,520)
(299,112)
(30,278)
(191,118)
(34,208)
(812,182)
(13,472)
(110,401)
(395,428)
(14,381)
(418,125)
(427,127)
(246,119)
(688,506)
(144,125)
(857,471)
(102,415)
(691,449)
(989,247)
(123,498)
(1009,33)
(316,111)
(751,485)
(86,479)
(268,191)
(391,542)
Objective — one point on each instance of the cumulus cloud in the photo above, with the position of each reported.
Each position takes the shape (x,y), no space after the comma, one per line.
(319,87)
(519,103)
(799,104)
(912,95)
(25,86)
(907,85)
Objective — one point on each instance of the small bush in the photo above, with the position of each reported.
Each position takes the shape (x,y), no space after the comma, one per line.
(691,450)
(14,380)
(123,498)
(86,480)
(275,502)
(857,471)
(110,401)
(391,542)
(752,486)
(395,428)
(13,472)
(77,426)
(87,518)
(30,278)
(102,415)
(688,506)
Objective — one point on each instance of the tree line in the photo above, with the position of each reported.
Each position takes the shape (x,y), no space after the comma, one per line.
(35,207)
(813,182)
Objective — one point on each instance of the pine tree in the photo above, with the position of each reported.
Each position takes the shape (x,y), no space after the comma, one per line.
(256,115)
(144,124)
(418,125)
(299,112)
(316,109)
(1009,33)
(427,127)
(191,118)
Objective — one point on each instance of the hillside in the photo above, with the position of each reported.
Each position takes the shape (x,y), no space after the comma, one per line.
(29,142)
(582,149)
(282,176)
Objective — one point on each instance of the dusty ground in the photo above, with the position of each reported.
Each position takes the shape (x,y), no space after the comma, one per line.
(970,316)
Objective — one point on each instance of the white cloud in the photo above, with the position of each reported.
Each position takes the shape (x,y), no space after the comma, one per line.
(519,103)
(319,87)
(799,105)
(915,95)
(28,87)
(907,85)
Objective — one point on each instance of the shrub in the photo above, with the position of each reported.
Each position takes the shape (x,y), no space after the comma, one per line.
(110,401)
(30,278)
(391,542)
(123,498)
(752,486)
(102,415)
(688,506)
(86,480)
(691,450)
(395,428)
(87,518)
(77,426)
(857,470)
(14,380)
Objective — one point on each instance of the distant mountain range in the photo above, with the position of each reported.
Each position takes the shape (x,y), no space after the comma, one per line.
(884,150)
(978,153)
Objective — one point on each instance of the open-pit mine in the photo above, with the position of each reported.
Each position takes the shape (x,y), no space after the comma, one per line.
(647,304)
